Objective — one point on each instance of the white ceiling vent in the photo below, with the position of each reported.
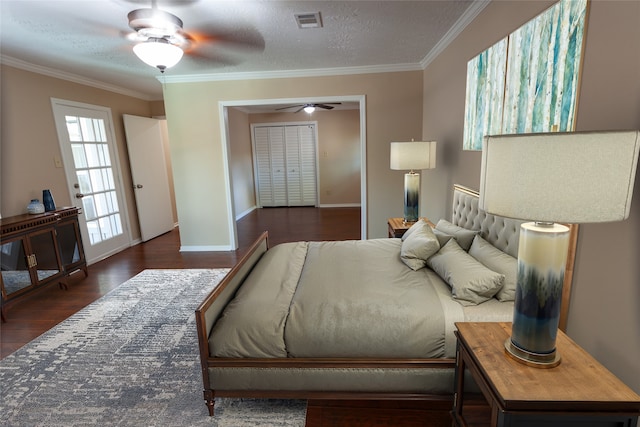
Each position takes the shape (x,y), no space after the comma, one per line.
(309,20)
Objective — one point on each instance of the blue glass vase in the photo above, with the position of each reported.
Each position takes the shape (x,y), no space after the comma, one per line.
(47,200)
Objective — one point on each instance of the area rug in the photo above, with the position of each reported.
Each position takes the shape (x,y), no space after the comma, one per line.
(129,359)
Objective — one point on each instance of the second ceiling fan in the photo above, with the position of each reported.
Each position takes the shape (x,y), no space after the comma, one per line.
(310,107)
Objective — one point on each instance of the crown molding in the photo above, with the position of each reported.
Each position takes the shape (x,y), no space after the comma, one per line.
(63,75)
(317,72)
(467,17)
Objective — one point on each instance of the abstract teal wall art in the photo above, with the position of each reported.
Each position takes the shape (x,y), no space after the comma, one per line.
(540,81)
(485,95)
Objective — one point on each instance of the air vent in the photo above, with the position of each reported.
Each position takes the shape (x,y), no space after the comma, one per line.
(309,20)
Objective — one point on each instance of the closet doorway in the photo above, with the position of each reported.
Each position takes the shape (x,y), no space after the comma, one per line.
(285,164)
(236,170)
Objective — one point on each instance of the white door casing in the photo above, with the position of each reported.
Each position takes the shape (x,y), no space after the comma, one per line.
(87,142)
(149,174)
(224,134)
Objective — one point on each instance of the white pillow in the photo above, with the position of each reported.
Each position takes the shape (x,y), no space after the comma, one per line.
(500,262)
(471,282)
(416,226)
(419,245)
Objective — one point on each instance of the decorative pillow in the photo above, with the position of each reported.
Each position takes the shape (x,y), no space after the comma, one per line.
(419,246)
(471,282)
(462,235)
(500,262)
(443,237)
(417,225)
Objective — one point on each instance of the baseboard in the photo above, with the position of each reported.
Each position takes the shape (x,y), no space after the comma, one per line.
(245,213)
(205,248)
(340,205)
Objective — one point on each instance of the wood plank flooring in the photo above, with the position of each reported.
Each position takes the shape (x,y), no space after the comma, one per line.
(40,311)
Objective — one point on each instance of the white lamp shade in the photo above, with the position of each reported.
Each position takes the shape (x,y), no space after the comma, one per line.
(575,177)
(309,109)
(414,155)
(158,53)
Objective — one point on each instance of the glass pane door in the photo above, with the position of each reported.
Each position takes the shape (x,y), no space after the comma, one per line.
(89,151)
(94,176)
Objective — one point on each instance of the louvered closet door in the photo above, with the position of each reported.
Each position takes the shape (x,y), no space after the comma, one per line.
(286,165)
(270,165)
(301,165)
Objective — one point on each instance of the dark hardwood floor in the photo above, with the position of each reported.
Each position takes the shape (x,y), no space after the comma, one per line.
(31,316)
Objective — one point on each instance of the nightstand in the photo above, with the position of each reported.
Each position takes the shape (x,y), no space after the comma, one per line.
(397,227)
(579,391)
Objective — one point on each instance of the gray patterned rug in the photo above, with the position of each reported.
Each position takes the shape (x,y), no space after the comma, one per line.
(129,359)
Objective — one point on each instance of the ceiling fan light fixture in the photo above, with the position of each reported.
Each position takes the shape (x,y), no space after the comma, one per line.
(158,53)
(309,109)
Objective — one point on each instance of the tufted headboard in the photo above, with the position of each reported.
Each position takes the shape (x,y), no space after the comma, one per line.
(503,233)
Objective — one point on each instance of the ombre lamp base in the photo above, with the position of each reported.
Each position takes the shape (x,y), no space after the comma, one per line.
(542,257)
(411,193)
(536,360)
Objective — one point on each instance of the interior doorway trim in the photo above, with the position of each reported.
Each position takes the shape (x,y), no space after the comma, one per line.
(224,126)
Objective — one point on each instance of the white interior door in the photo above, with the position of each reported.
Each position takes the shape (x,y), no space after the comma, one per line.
(149,173)
(87,144)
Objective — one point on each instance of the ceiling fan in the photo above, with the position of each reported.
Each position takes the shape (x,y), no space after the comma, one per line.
(310,107)
(162,41)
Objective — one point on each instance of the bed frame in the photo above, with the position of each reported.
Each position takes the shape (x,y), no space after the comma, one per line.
(336,378)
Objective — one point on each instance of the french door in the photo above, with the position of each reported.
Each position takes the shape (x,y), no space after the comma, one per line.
(94,180)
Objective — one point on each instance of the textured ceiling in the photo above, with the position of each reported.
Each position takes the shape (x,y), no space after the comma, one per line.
(87,38)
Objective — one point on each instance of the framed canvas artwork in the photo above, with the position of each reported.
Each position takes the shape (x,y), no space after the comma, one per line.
(539,81)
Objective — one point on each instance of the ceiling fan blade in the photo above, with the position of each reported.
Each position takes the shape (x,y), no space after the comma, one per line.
(237,39)
(291,106)
(326,107)
(300,109)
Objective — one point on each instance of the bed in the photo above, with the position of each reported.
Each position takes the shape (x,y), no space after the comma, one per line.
(365,319)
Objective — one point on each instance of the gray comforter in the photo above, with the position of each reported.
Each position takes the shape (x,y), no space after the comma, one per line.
(335,299)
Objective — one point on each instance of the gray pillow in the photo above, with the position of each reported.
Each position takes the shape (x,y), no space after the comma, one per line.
(419,246)
(462,235)
(471,282)
(500,262)
(443,237)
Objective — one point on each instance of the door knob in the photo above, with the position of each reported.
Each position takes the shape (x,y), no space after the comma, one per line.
(137,186)
(79,195)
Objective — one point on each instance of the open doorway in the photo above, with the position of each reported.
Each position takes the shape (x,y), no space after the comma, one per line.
(270,106)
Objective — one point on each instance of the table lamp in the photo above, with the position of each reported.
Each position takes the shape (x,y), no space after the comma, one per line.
(412,156)
(551,178)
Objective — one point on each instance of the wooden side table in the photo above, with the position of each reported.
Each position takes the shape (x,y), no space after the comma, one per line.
(397,226)
(579,391)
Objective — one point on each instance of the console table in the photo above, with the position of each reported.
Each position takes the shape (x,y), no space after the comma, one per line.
(577,392)
(37,250)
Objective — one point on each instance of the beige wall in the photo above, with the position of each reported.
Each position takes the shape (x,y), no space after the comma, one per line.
(338,152)
(393,110)
(604,315)
(241,162)
(30,140)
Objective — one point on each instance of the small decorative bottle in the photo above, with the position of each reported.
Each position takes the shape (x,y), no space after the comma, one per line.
(47,199)
(35,207)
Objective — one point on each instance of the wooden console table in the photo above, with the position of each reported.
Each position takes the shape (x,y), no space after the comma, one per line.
(579,391)
(37,250)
